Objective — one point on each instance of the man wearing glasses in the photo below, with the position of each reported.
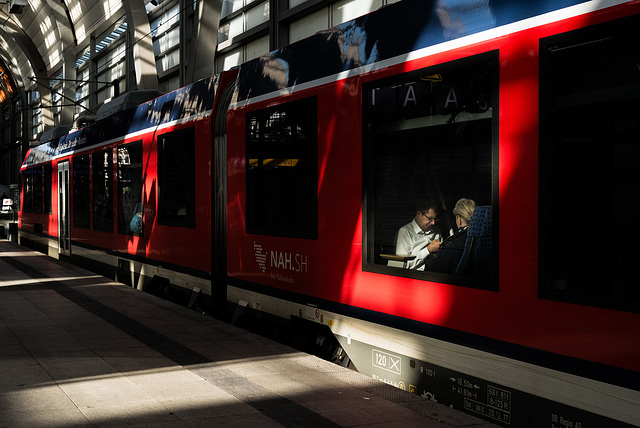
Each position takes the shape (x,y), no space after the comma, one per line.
(419,238)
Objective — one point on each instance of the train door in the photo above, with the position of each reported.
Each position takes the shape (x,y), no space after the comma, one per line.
(64,221)
(219,186)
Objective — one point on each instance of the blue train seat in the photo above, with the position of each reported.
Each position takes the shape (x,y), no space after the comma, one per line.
(476,258)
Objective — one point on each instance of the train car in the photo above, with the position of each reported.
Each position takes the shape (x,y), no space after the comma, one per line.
(130,195)
(290,202)
(527,108)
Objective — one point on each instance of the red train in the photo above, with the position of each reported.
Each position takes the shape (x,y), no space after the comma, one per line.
(131,192)
(282,186)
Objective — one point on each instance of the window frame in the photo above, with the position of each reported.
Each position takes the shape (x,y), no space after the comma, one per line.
(177,137)
(309,172)
(37,178)
(547,286)
(107,224)
(48,187)
(123,217)
(27,188)
(80,202)
(492,284)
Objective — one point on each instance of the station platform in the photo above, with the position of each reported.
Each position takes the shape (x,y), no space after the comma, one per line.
(79,350)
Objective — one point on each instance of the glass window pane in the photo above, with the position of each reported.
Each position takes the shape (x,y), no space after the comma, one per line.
(169,85)
(257,15)
(230,6)
(37,189)
(230,30)
(27,186)
(130,188)
(81,196)
(166,20)
(430,150)
(173,59)
(168,61)
(176,178)
(294,3)
(223,33)
(236,27)
(589,146)
(256,48)
(282,158)
(47,188)
(166,41)
(346,10)
(229,60)
(309,25)
(103,191)
(105,94)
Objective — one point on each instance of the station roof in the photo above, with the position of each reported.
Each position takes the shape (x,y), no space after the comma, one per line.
(42,40)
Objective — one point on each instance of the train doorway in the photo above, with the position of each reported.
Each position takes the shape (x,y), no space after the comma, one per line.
(64,229)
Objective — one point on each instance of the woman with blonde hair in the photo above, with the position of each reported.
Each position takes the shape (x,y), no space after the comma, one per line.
(447,258)
(463,212)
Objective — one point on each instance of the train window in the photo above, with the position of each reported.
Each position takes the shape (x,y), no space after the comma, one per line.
(27,185)
(589,147)
(103,191)
(430,140)
(37,189)
(81,206)
(176,178)
(47,188)
(130,188)
(282,159)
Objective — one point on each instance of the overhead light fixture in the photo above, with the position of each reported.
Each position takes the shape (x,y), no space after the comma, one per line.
(17,6)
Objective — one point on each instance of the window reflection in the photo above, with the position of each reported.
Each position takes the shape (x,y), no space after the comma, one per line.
(81,196)
(130,188)
(282,170)
(103,191)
